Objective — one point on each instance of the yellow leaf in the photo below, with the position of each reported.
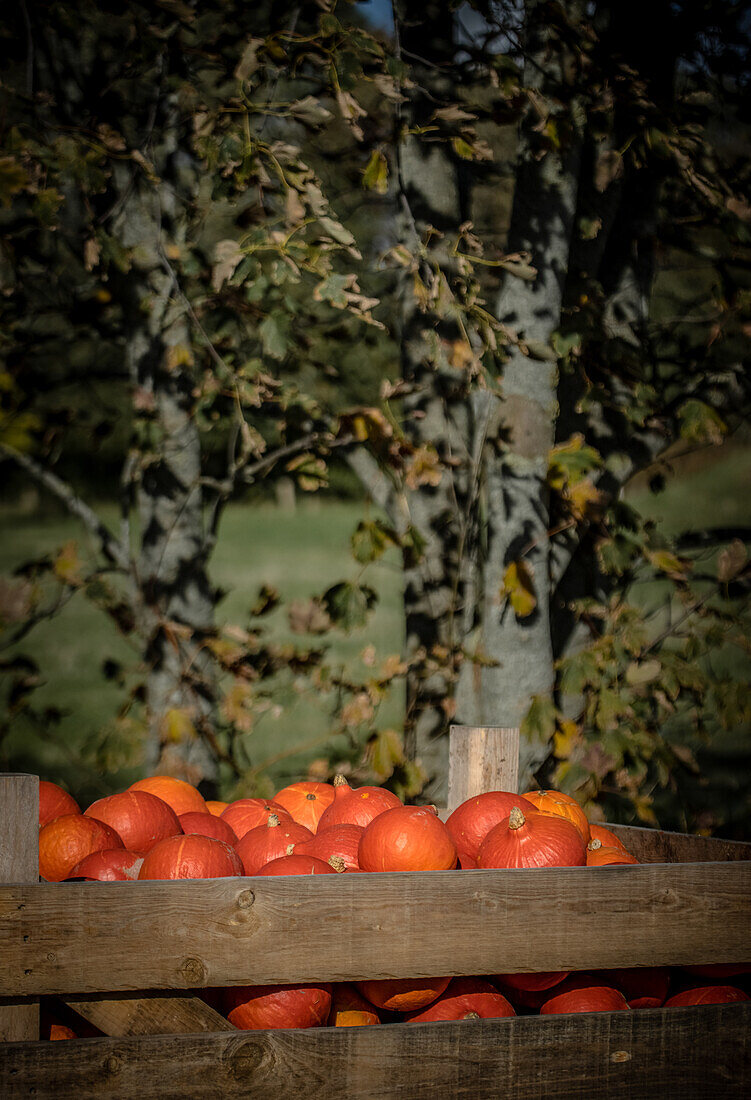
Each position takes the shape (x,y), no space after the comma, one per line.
(518,588)
(68,565)
(177,726)
(178,356)
(565,738)
(584,497)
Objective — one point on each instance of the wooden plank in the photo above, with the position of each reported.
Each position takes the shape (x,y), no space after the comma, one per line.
(481,758)
(60,938)
(19,862)
(155,1014)
(696,1053)
(657,846)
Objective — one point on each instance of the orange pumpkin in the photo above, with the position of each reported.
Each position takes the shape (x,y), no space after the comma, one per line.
(258,1007)
(349,1009)
(208,825)
(561,805)
(140,819)
(642,986)
(54,802)
(537,840)
(402,994)
(215,807)
(595,998)
(191,857)
(69,839)
(356,807)
(181,796)
(707,995)
(600,856)
(407,838)
(248,813)
(270,841)
(109,865)
(342,841)
(471,822)
(465,998)
(299,865)
(306,801)
(607,838)
(530,990)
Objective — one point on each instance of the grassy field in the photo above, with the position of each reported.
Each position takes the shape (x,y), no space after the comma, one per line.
(300,552)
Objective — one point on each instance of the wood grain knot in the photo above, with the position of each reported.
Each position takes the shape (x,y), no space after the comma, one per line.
(112,1065)
(245,1059)
(51,956)
(620,1056)
(245,899)
(193,971)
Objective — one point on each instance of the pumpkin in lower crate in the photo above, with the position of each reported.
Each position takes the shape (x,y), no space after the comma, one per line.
(530,990)
(534,840)
(183,797)
(465,998)
(140,819)
(588,998)
(248,813)
(358,806)
(306,801)
(69,839)
(194,856)
(270,841)
(300,865)
(600,855)
(402,994)
(471,822)
(341,841)
(560,805)
(254,1008)
(719,970)
(54,802)
(350,1009)
(707,995)
(109,865)
(642,986)
(407,838)
(208,825)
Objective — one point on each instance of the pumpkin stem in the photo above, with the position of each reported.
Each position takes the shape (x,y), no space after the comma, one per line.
(272,821)
(594,845)
(340,781)
(290,849)
(310,796)
(516,818)
(471,1016)
(337,863)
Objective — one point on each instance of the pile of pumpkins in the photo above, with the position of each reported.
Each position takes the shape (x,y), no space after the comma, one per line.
(162,828)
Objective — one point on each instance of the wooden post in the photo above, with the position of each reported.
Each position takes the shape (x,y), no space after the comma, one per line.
(482,758)
(19,862)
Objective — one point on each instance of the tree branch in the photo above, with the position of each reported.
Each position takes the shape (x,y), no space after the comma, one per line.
(108,544)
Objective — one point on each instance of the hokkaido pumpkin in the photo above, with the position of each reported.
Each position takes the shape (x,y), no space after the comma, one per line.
(356,807)
(259,1007)
(54,802)
(471,822)
(349,1009)
(607,838)
(596,998)
(407,838)
(530,990)
(306,801)
(181,796)
(248,813)
(208,825)
(140,819)
(269,841)
(537,840)
(341,841)
(465,998)
(598,855)
(69,839)
(642,986)
(299,865)
(109,865)
(561,805)
(402,994)
(707,995)
(190,857)
(719,970)
(215,808)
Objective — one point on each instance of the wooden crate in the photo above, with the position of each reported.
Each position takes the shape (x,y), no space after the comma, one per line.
(128,956)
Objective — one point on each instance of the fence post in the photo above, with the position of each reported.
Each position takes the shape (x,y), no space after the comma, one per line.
(19,862)
(482,758)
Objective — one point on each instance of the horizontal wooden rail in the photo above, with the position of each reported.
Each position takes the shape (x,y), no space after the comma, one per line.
(102,937)
(657,846)
(695,1053)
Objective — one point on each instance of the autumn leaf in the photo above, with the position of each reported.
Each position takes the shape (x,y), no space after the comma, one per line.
(518,588)
(177,727)
(376,174)
(308,617)
(731,561)
(358,710)
(423,468)
(67,565)
(227,255)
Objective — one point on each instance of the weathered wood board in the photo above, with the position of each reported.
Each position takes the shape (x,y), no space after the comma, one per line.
(19,862)
(691,1053)
(66,938)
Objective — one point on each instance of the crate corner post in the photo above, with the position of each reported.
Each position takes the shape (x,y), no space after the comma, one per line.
(482,758)
(19,863)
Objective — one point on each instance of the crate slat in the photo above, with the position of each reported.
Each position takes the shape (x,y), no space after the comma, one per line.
(157,1014)
(656,1053)
(19,862)
(89,937)
(658,846)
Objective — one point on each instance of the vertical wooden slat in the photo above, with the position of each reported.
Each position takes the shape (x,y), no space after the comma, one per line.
(19,862)
(482,758)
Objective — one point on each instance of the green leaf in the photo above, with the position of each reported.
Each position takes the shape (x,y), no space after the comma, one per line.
(376,174)
(348,604)
(643,672)
(539,721)
(274,332)
(700,423)
(370,540)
